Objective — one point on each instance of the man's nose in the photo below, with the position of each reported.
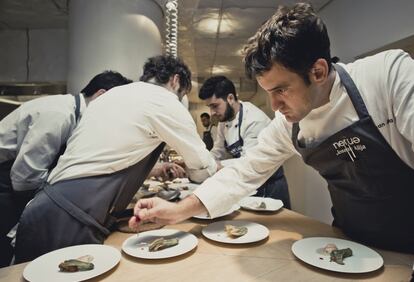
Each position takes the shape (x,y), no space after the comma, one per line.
(275,102)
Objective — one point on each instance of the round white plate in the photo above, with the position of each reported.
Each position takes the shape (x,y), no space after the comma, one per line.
(230,211)
(252,203)
(255,232)
(363,259)
(137,246)
(46,267)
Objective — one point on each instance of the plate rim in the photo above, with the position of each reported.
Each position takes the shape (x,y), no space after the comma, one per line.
(109,247)
(260,210)
(236,243)
(294,246)
(157,258)
(230,211)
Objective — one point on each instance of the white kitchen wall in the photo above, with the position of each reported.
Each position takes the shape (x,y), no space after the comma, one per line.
(39,55)
(356,27)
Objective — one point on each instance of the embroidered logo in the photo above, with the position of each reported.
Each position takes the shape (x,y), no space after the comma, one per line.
(349,146)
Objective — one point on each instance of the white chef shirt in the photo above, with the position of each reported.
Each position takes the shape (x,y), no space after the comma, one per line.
(33,135)
(386,84)
(125,125)
(254,120)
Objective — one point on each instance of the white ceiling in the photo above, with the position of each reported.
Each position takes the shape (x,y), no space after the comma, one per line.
(211,32)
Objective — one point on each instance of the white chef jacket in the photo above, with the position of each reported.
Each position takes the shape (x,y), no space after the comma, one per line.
(254,120)
(125,125)
(386,84)
(33,135)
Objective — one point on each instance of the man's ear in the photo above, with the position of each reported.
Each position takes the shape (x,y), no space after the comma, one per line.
(230,98)
(97,94)
(319,71)
(175,79)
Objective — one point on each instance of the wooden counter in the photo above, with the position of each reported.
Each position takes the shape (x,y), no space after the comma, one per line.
(269,260)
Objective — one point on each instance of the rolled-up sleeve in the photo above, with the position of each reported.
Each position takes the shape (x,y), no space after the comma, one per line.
(238,180)
(179,131)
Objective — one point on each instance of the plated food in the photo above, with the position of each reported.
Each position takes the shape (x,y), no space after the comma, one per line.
(235,231)
(76,263)
(159,244)
(83,263)
(337,255)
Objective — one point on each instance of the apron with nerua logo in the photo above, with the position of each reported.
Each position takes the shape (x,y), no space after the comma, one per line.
(371,188)
(276,186)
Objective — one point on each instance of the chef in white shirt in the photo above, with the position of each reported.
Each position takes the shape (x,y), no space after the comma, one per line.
(353,123)
(108,156)
(239,125)
(32,138)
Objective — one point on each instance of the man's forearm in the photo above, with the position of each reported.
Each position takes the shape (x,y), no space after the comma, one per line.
(189,207)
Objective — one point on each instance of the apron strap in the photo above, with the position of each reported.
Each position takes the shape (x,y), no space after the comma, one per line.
(77,109)
(73,210)
(240,123)
(240,141)
(63,147)
(353,92)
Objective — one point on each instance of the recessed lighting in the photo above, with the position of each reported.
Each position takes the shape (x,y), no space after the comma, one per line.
(217,69)
(210,25)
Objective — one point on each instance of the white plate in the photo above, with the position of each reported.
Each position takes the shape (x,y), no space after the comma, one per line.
(137,246)
(46,267)
(255,232)
(230,211)
(252,203)
(363,259)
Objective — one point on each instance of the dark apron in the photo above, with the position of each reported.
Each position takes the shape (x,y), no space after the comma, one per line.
(276,186)
(208,139)
(370,186)
(78,211)
(13,202)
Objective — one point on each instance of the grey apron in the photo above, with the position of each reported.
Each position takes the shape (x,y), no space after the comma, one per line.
(276,186)
(370,186)
(12,202)
(78,211)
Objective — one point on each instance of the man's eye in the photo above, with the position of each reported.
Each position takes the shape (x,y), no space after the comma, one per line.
(281,91)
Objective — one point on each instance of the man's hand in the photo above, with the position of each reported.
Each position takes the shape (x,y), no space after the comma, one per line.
(172,171)
(163,212)
(168,171)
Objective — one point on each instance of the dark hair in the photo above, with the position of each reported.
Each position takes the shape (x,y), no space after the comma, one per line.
(220,86)
(205,115)
(105,80)
(294,38)
(161,68)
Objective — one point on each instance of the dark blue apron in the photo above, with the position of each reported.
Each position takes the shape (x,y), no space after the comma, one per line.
(78,211)
(12,202)
(370,186)
(276,186)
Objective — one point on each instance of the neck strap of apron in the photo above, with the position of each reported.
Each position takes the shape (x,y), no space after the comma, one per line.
(353,92)
(240,120)
(77,109)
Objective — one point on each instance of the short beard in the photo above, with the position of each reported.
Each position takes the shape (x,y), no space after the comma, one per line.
(229,113)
